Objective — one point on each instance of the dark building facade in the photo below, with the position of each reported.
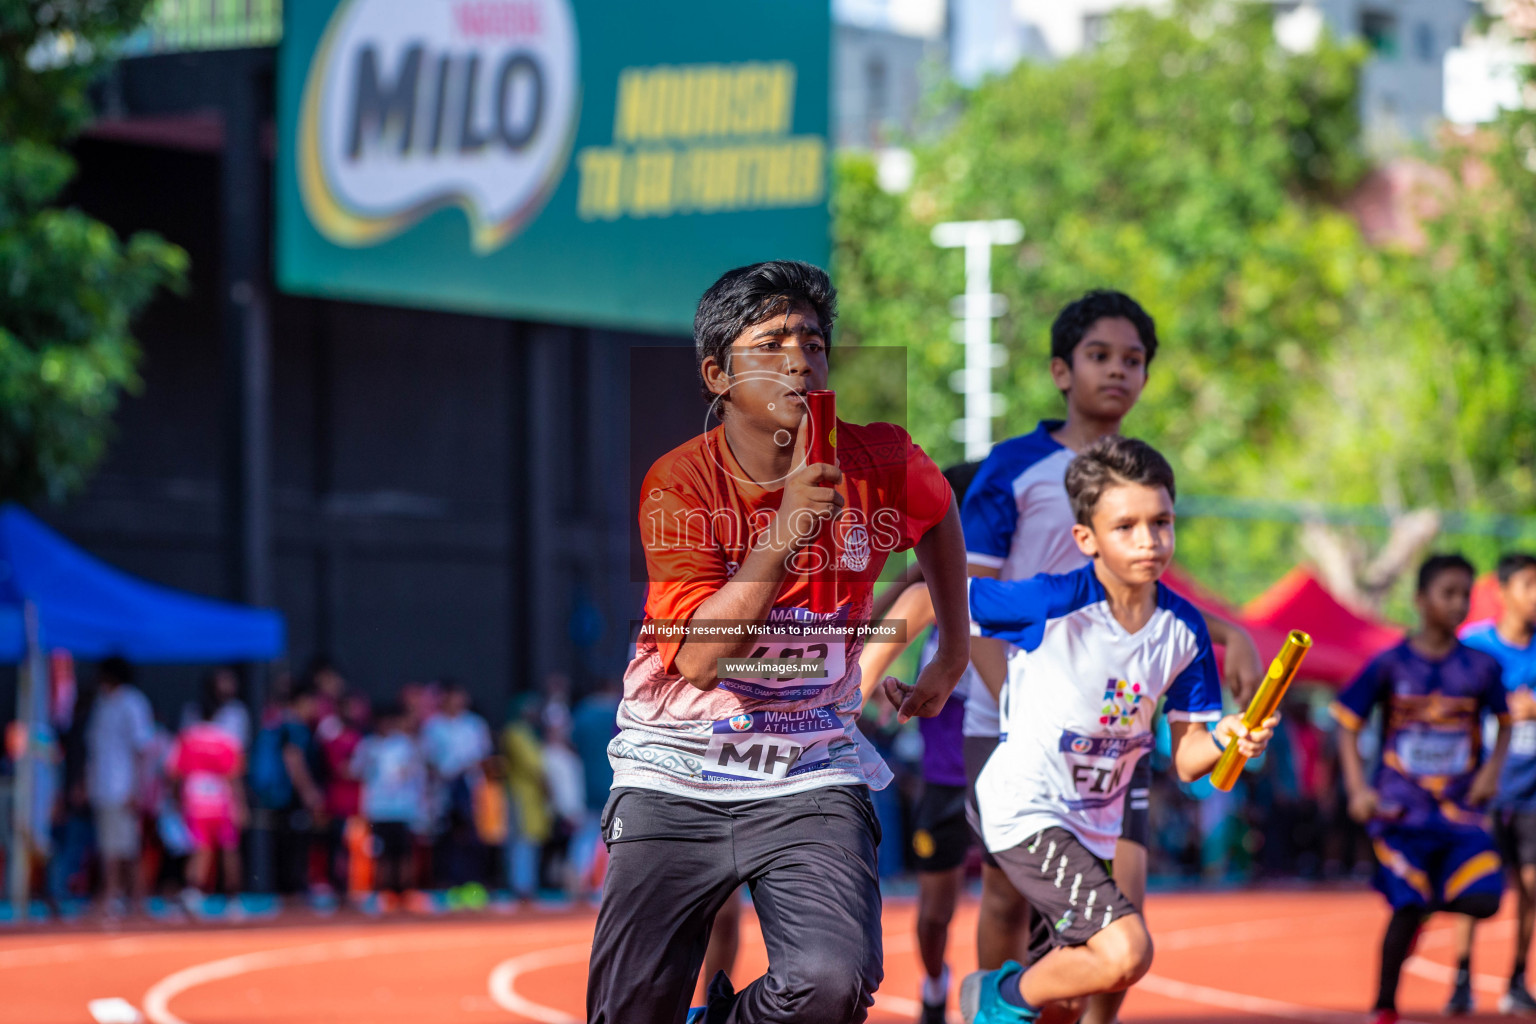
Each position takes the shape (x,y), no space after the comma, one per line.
(422,494)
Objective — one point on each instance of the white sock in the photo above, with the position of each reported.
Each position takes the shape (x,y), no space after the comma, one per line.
(936,990)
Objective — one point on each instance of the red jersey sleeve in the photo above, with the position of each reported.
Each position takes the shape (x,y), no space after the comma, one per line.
(922,494)
(684,565)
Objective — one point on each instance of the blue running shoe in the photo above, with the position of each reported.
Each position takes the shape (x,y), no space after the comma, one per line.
(982,1002)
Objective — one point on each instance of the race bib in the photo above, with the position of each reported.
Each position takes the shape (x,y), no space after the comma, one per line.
(1522,738)
(1100,767)
(804,637)
(1434,752)
(763,745)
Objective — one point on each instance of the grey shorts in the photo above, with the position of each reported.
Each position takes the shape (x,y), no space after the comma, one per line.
(117,831)
(1071,894)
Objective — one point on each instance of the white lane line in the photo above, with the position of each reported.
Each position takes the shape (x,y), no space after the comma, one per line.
(1433,970)
(157,1000)
(503,981)
(503,985)
(504,976)
(898,1004)
(114,1010)
(1230,934)
(1256,1005)
(73,952)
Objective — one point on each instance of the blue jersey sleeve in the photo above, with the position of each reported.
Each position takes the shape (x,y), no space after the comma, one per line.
(1017,610)
(1195,693)
(1354,703)
(990,514)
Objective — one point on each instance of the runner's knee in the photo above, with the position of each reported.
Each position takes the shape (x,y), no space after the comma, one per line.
(830,988)
(1124,950)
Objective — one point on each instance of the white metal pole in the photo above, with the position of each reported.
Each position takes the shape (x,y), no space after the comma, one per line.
(977,309)
(978,341)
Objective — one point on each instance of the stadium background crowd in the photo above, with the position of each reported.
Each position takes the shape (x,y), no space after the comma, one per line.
(454,807)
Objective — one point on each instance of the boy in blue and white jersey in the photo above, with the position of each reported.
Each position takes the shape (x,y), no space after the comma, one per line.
(1093,653)
(1018,523)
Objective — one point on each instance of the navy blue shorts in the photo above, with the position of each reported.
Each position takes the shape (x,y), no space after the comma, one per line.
(1429,866)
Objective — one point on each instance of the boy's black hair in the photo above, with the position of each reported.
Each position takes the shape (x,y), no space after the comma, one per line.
(960,476)
(1075,319)
(1434,565)
(749,295)
(116,668)
(1512,563)
(1114,460)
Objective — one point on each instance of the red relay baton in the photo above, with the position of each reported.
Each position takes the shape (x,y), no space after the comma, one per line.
(822,407)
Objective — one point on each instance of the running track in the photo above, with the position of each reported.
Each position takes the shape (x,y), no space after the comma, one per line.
(1221,957)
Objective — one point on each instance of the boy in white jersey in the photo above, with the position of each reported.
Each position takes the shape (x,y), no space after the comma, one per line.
(1093,653)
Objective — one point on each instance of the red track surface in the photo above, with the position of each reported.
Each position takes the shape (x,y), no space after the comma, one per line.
(1246,956)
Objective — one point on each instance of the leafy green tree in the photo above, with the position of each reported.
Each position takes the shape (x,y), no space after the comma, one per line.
(69,287)
(1193,162)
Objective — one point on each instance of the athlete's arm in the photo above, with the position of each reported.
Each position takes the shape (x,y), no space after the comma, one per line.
(809,499)
(941,553)
(1196,750)
(1242,670)
(1362,798)
(914,607)
(1522,704)
(1485,784)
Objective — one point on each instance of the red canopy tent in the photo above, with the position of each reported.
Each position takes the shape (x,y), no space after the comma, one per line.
(1266,638)
(1342,639)
(1487,605)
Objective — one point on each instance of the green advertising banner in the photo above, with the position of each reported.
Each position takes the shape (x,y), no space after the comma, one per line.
(577,161)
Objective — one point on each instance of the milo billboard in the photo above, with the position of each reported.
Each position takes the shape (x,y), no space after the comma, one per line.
(563,160)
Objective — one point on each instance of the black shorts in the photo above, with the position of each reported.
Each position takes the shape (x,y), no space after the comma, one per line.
(391,839)
(975,750)
(1071,893)
(1134,828)
(1515,834)
(810,861)
(941,835)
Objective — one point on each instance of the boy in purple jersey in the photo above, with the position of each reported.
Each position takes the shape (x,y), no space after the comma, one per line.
(1423,809)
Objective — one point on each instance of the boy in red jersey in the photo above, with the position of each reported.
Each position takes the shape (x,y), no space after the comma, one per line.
(728,772)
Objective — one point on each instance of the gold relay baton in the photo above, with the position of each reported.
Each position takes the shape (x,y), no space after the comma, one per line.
(1282,671)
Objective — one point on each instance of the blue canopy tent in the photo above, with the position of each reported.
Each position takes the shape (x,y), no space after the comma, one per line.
(54,596)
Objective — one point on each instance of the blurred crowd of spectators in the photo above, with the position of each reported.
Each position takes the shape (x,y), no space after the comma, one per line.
(339,796)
